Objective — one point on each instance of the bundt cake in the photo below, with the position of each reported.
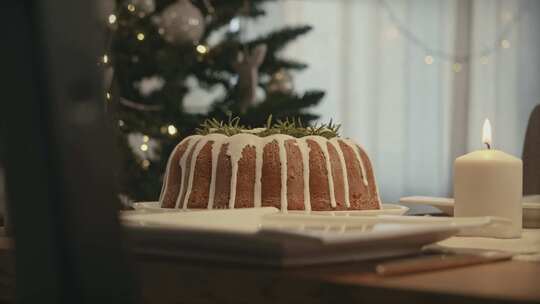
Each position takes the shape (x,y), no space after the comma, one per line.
(288,168)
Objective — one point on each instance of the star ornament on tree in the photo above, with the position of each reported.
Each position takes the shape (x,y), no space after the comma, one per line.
(247,67)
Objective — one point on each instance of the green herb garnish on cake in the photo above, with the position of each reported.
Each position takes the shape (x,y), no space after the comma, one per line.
(294,128)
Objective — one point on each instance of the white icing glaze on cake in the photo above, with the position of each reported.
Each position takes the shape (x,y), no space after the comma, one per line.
(183,160)
(304,151)
(235,148)
(198,147)
(257,195)
(237,144)
(166,180)
(334,142)
(283,161)
(355,149)
(321,141)
(218,140)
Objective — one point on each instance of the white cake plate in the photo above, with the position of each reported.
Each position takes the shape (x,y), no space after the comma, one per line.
(269,237)
(530,203)
(387,209)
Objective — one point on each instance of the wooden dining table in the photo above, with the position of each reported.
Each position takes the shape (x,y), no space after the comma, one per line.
(180,281)
(174,280)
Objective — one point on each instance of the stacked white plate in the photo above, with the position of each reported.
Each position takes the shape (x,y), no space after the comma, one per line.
(269,237)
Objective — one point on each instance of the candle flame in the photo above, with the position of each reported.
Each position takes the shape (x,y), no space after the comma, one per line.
(486,133)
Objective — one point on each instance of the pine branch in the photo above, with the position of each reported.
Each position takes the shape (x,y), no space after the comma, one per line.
(311,98)
(275,41)
(272,65)
(281,106)
(208,78)
(222,55)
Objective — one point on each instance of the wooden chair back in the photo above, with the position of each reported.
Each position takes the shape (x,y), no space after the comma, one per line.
(531,155)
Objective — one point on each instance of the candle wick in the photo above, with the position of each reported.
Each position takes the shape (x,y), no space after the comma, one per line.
(488,146)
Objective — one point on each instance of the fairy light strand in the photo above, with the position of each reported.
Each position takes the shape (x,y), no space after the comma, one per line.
(501,39)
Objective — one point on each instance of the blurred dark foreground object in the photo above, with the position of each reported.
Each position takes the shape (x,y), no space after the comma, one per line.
(531,155)
(57,150)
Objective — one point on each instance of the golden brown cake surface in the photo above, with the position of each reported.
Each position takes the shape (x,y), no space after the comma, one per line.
(245,170)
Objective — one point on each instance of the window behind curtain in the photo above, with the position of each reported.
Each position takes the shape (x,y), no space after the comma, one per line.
(413,109)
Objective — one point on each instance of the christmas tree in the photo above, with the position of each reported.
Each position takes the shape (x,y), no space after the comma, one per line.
(155,45)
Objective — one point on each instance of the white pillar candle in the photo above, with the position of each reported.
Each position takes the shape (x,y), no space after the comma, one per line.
(489,183)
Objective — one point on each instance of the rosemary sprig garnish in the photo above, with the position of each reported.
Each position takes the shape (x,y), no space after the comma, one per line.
(294,128)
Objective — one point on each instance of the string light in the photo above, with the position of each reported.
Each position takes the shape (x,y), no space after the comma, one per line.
(140,36)
(145,164)
(456,67)
(510,20)
(131,7)
(112,18)
(145,138)
(202,49)
(172,130)
(108,95)
(105,58)
(505,44)
(144,147)
(428,59)
(121,123)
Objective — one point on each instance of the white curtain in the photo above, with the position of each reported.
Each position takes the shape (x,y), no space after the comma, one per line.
(412,81)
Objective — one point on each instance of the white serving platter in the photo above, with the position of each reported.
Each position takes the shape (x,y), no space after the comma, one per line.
(387,209)
(531,207)
(265,236)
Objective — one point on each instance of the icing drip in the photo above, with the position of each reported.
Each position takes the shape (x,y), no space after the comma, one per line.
(357,154)
(234,173)
(341,157)
(283,165)
(200,144)
(167,170)
(192,141)
(236,146)
(321,141)
(257,196)
(216,148)
(304,152)
(237,143)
